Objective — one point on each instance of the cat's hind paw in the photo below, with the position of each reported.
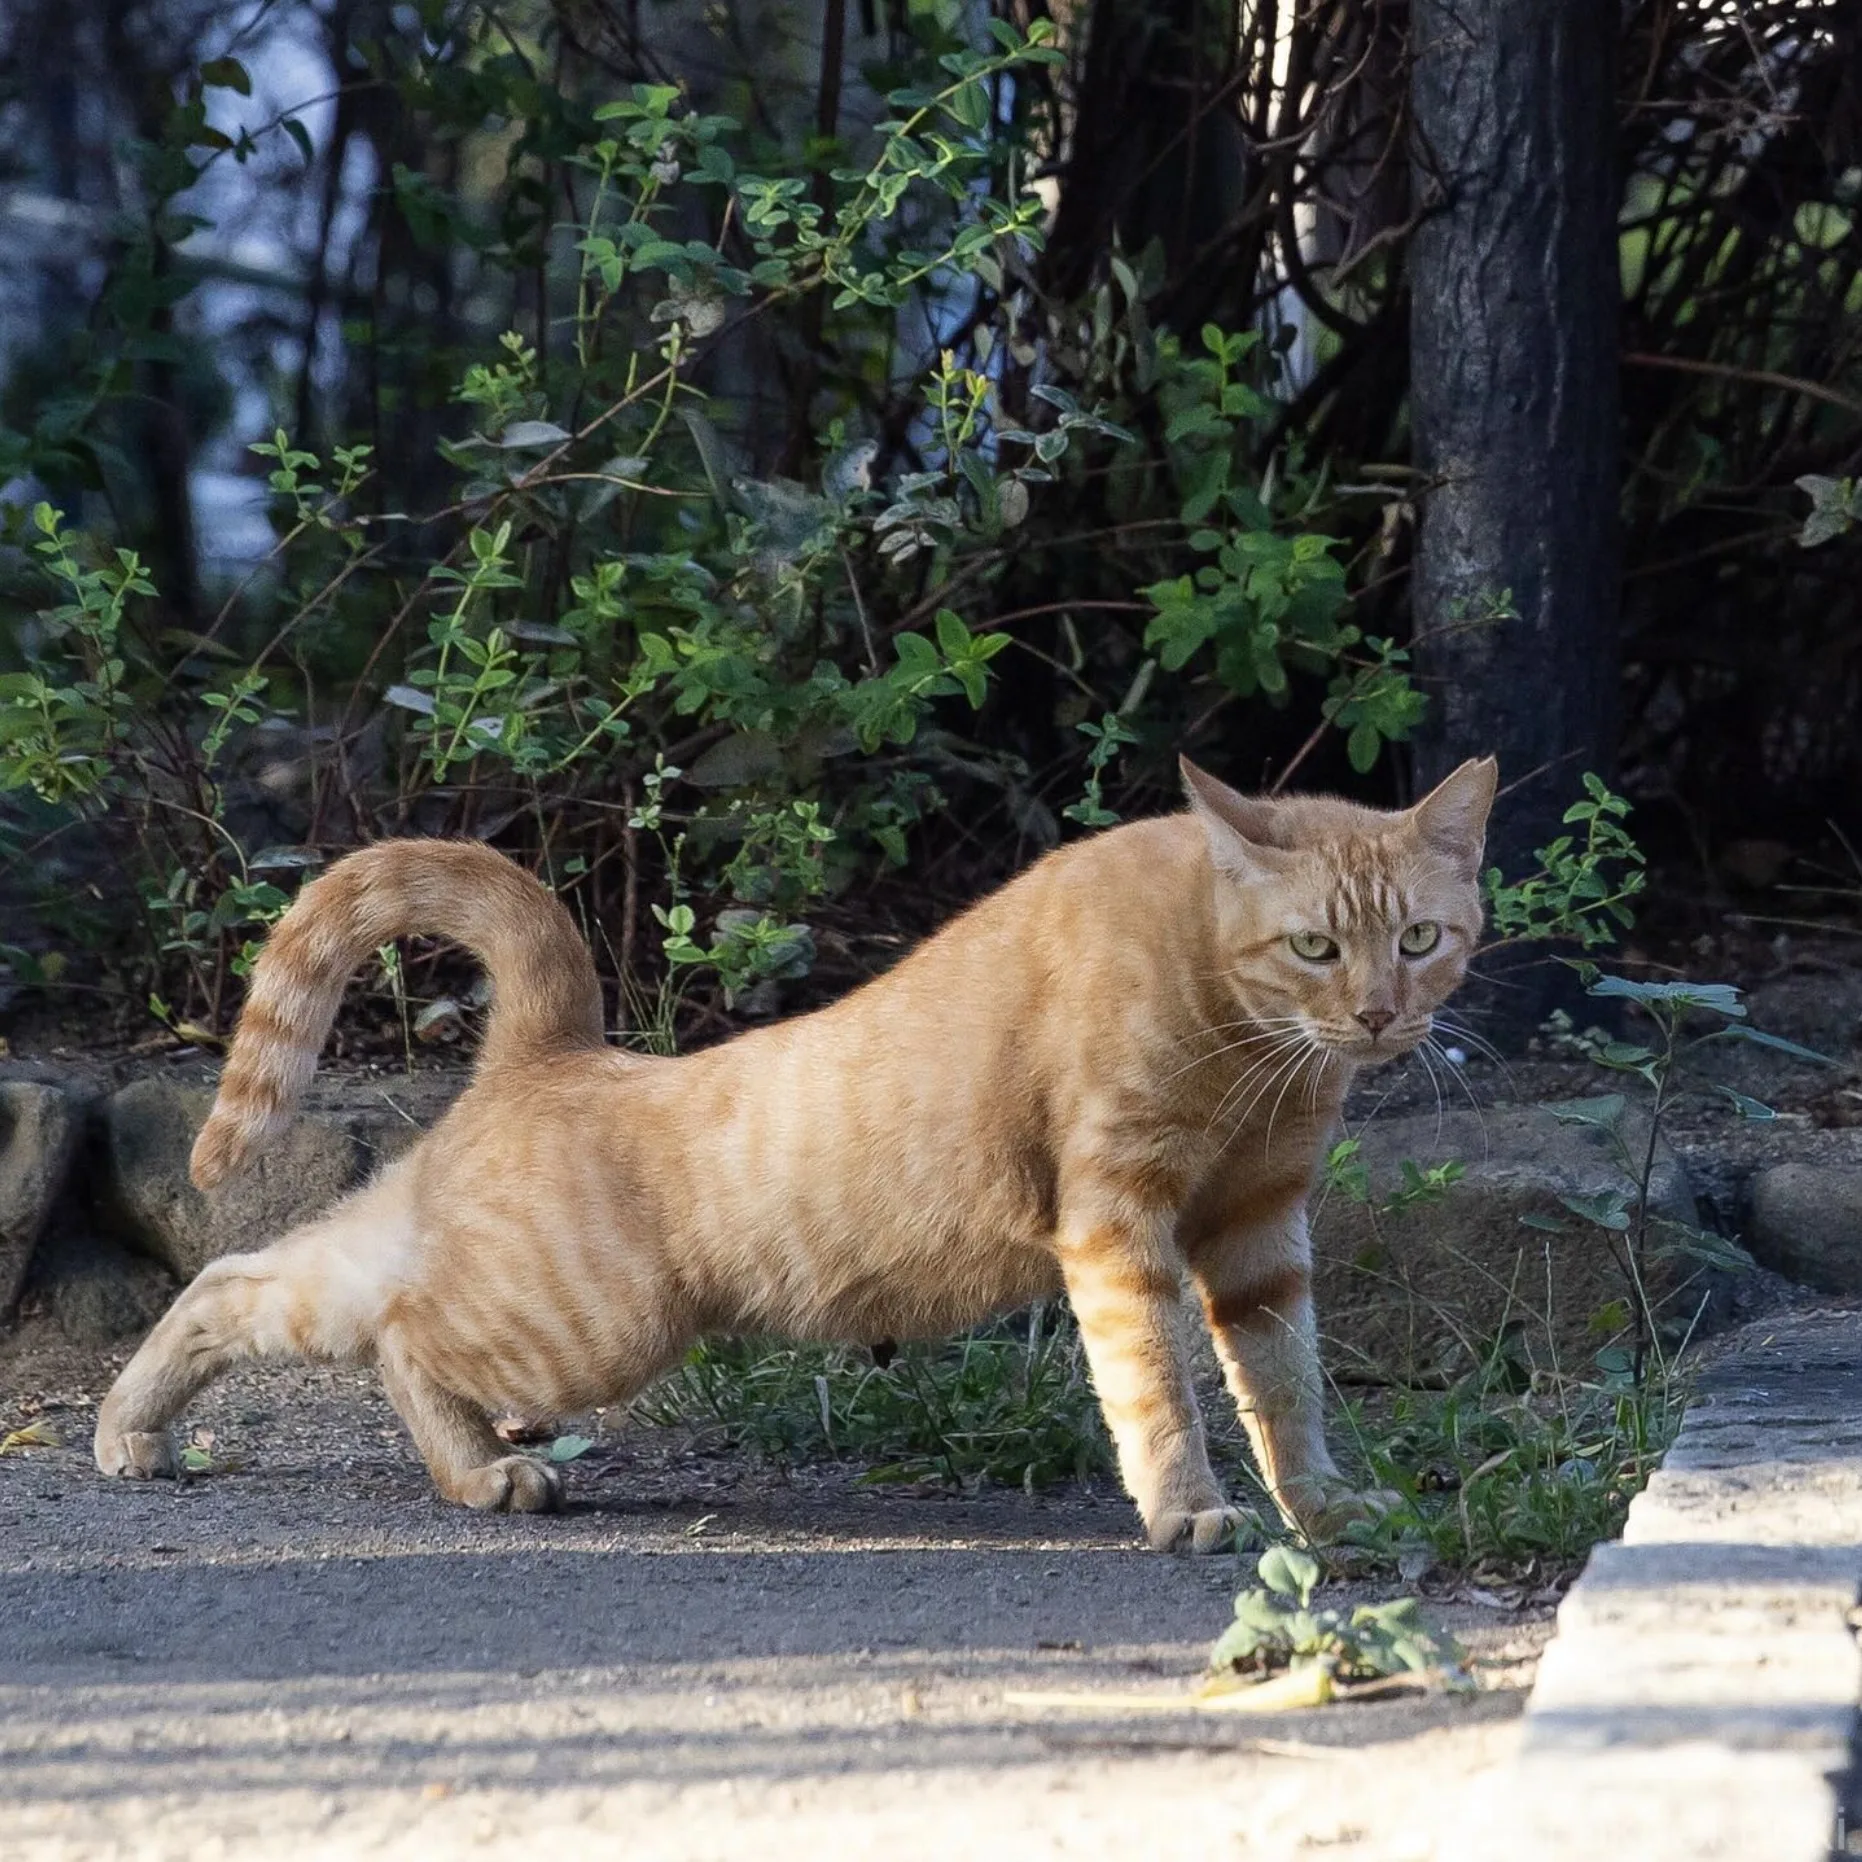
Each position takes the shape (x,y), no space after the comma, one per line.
(1322,1506)
(136,1455)
(514,1484)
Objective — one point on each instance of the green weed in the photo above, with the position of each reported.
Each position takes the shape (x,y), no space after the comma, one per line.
(1276,1628)
(1506,1473)
(1008,1406)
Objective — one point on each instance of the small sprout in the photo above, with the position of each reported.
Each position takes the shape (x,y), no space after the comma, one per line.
(1277,1632)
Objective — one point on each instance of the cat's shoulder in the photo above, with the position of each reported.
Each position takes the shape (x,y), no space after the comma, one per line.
(1155,843)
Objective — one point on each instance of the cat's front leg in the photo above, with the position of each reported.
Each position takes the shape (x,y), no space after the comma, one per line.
(1255,1278)
(1124,1278)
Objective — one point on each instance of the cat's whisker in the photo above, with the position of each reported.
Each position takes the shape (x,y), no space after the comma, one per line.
(1294,1060)
(1312,1092)
(1481,1045)
(1237,1087)
(1473,1103)
(1284,1041)
(1435,1084)
(1227,1047)
(1311,1053)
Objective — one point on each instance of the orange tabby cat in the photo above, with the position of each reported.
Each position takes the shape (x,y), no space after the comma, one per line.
(1121,1069)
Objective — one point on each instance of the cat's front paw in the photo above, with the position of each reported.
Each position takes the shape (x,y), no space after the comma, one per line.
(1201,1529)
(142,1456)
(1322,1505)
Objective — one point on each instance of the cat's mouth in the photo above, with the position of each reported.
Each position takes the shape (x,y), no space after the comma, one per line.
(1361,1045)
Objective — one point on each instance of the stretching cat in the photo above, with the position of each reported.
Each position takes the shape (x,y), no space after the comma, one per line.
(1123,1067)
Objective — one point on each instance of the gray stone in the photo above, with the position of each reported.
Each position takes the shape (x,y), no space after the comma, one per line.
(39,1127)
(95,1290)
(149,1129)
(1807,1224)
(1431,1283)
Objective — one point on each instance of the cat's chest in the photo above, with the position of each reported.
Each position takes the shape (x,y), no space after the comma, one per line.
(1216,1169)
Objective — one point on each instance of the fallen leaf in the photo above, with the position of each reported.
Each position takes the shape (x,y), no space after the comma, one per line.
(1488,1599)
(196,1460)
(568,1447)
(1310,1686)
(33,1435)
(443,1020)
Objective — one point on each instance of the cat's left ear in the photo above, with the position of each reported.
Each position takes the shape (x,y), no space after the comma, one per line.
(1452,817)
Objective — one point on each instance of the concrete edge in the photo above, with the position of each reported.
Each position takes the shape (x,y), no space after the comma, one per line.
(1699,1698)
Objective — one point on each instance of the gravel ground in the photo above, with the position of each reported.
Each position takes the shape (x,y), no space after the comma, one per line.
(304,1653)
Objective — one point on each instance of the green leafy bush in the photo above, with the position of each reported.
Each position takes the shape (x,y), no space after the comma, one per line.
(709,699)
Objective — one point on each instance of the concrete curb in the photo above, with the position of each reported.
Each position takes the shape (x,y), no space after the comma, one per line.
(1699,1699)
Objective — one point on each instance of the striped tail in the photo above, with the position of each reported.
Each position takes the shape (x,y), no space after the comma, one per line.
(545,995)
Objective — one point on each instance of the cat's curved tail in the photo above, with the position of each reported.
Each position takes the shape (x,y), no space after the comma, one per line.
(545,996)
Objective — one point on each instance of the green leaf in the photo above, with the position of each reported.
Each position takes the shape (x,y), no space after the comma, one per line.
(226,74)
(1289,1572)
(1605,1209)
(917,656)
(1605,1112)
(1715,998)
(1746,1107)
(533,435)
(301,136)
(570,1447)
(1775,1042)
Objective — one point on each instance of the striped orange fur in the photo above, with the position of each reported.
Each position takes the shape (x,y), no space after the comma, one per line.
(1117,1074)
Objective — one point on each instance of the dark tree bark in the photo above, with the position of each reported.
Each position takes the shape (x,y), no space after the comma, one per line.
(1513,359)
(1513,364)
(1158,150)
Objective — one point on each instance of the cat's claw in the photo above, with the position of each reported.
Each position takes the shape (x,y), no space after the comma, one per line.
(515,1484)
(134,1455)
(1209,1529)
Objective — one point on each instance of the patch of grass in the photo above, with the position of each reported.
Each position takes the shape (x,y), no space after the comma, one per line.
(1503,1477)
(1010,1405)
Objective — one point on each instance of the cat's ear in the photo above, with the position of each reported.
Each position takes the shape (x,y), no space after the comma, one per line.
(1237,826)
(1452,817)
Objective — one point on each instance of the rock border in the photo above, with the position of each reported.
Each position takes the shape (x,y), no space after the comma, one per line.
(1700,1697)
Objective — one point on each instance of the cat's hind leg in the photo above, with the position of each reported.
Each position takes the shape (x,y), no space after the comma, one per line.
(317,1293)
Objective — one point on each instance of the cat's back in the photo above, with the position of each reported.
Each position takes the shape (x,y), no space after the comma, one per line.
(1055,921)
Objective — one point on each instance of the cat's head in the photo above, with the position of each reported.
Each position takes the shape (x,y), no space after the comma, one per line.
(1349,925)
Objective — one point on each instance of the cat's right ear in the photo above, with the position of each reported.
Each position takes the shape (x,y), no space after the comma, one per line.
(1237,826)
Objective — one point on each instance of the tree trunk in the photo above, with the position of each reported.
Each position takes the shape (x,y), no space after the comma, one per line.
(1513,367)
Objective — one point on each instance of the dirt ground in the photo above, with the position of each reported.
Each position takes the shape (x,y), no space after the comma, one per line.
(304,1653)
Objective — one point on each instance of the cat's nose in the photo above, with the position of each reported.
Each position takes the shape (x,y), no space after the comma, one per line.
(1376,1020)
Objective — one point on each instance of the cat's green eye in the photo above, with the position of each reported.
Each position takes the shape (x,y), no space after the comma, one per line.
(1420,939)
(1314,946)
